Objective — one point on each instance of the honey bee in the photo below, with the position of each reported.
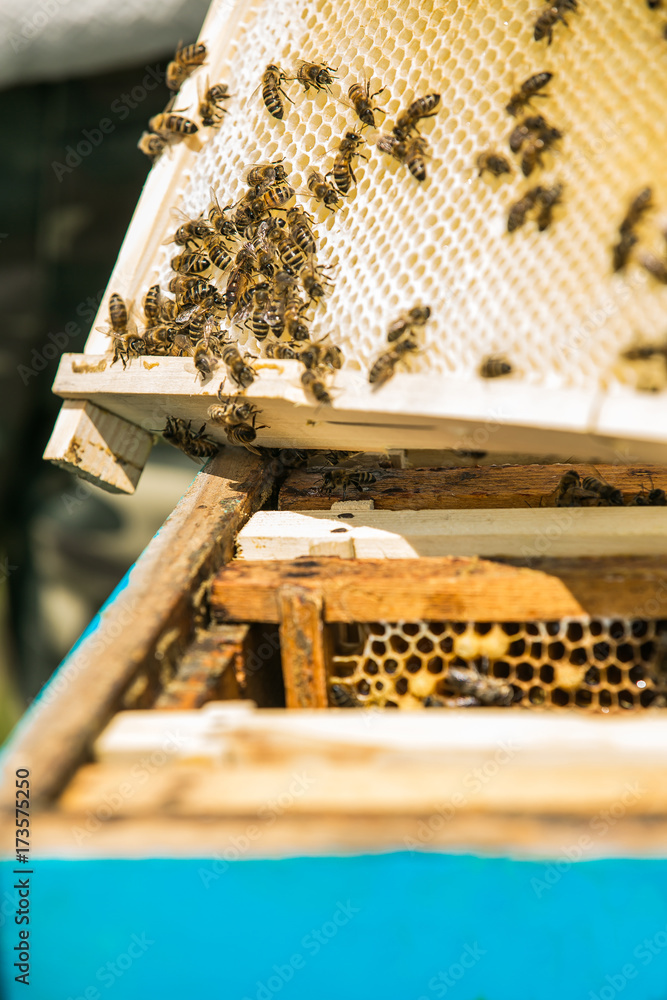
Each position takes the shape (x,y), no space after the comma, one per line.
(312,381)
(172,128)
(316,75)
(654,265)
(605,491)
(274,196)
(238,276)
(151,144)
(471,687)
(152,304)
(415,151)
(118,314)
(383,369)
(216,216)
(342,173)
(238,419)
(191,231)
(417,316)
(272,81)
(494,367)
(261,298)
(294,323)
(265,174)
(335,479)
(342,697)
(217,252)
(127,345)
(300,231)
(546,21)
(210,110)
(323,191)
(290,252)
(236,409)
(570,493)
(529,89)
(282,351)
(315,284)
(184,63)
(362,100)
(393,146)
(638,206)
(407,121)
(520,209)
(191,290)
(320,355)
(494,163)
(649,498)
(195,444)
(190,263)
(620,252)
(548,199)
(645,351)
(535,146)
(242,373)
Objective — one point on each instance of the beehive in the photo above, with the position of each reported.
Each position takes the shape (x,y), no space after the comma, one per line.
(548,301)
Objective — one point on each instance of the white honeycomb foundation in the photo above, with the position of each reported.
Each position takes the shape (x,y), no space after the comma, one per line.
(548,301)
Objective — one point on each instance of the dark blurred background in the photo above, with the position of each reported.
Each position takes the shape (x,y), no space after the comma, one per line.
(64,545)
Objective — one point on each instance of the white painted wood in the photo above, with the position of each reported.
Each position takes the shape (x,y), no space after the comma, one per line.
(378,534)
(98,446)
(413,411)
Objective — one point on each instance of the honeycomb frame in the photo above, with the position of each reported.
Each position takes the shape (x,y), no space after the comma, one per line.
(590,664)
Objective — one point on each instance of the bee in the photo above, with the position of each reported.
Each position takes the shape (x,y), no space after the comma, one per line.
(546,21)
(479,688)
(529,89)
(407,121)
(196,444)
(172,127)
(321,355)
(151,144)
(152,304)
(655,267)
(234,410)
(118,315)
(535,147)
(127,345)
(191,290)
(217,252)
(190,263)
(620,252)
(312,381)
(638,206)
(605,491)
(645,351)
(342,697)
(335,479)
(300,231)
(191,231)
(342,173)
(238,419)
(315,284)
(548,199)
(242,373)
(272,81)
(494,367)
(265,174)
(184,63)
(494,163)
(290,253)
(238,276)
(658,669)
(210,110)
(570,493)
(650,498)
(217,218)
(261,298)
(316,75)
(274,196)
(294,323)
(393,146)
(417,316)
(362,100)
(415,151)
(323,191)
(520,209)
(282,351)
(383,369)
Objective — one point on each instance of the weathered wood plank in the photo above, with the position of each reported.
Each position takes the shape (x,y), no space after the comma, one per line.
(445,589)
(407,534)
(208,670)
(157,598)
(479,487)
(302,647)
(99,446)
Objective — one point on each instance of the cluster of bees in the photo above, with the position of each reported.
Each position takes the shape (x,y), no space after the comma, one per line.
(573,491)
(169,127)
(531,138)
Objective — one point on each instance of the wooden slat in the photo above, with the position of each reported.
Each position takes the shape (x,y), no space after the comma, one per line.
(407,534)
(208,669)
(454,588)
(302,647)
(481,487)
(157,598)
(99,446)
